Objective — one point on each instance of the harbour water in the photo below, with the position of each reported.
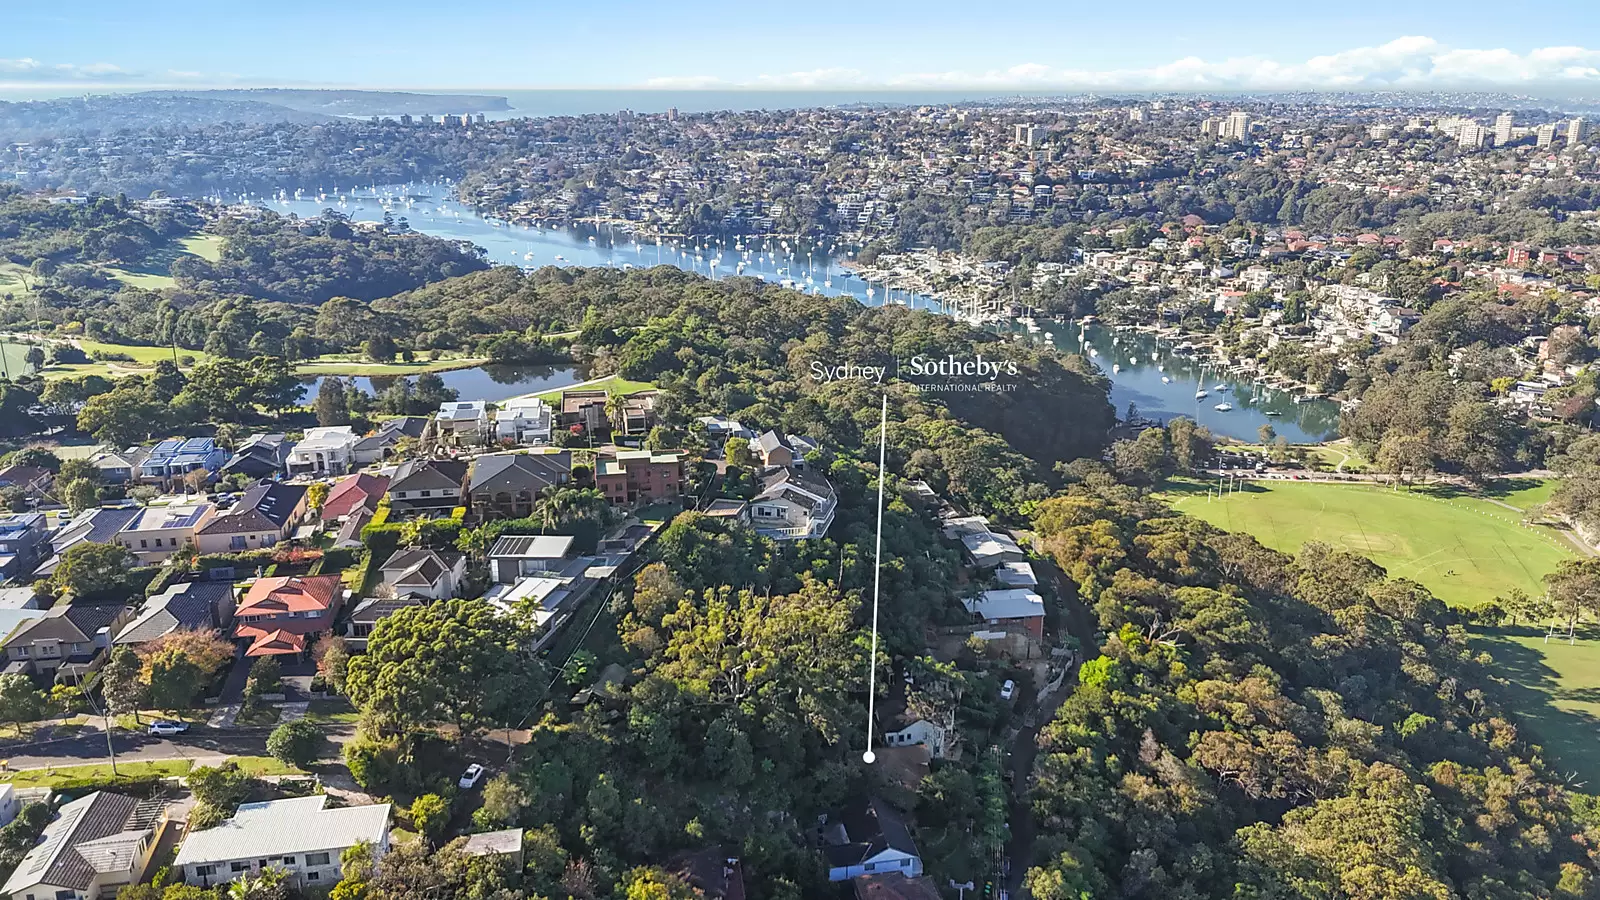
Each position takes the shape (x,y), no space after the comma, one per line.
(811,266)
(491,383)
(1130,363)
(1149,374)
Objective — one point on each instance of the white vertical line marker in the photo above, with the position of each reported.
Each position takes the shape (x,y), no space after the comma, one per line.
(877,574)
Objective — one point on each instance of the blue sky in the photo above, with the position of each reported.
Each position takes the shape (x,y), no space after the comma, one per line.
(1033,44)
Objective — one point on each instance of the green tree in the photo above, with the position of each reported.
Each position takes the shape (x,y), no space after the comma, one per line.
(430,814)
(331,406)
(88,568)
(295,743)
(122,417)
(458,661)
(19,701)
(121,683)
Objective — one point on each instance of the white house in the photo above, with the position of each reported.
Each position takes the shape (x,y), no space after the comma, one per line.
(868,838)
(325,451)
(463,419)
(792,505)
(526,420)
(913,731)
(516,556)
(298,836)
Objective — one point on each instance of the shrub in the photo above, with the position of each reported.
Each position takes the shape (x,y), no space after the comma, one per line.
(295,743)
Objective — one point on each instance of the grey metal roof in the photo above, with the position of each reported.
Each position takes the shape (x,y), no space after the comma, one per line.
(285,828)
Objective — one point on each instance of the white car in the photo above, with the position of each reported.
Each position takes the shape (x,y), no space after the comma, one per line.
(470,778)
(1008,690)
(166,729)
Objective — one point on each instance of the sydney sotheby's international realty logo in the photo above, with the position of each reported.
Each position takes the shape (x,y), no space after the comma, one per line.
(928,373)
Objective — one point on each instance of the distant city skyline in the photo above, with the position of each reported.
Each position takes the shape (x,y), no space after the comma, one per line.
(830,44)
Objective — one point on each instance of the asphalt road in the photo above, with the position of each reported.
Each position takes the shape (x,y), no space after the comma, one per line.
(130,747)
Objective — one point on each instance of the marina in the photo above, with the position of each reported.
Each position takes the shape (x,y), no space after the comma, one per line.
(1147,371)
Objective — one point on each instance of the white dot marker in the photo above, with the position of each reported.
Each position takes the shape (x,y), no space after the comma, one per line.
(869,757)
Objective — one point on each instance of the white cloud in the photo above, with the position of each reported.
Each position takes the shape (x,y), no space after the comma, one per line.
(28,70)
(1411,62)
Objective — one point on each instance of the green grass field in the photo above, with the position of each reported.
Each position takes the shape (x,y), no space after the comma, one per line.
(155,273)
(353,364)
(613,383)
(14,361)
(1465,549)
(1555,689)
(14,280)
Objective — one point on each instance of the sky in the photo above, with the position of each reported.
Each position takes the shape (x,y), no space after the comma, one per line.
(84,45)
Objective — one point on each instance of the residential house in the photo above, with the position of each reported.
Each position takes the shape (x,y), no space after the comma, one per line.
(1016,575)
(988,549)
(1011,607)
(506,844)
(507,485)
(638,412)
(360,491)
(96,526)
(23,544)
(324,451)
(423,485)
(177,457)
(629,477)
(526,420)
(283,615)
(868,837)
(349,536)
(21,598)
(382,443)
(585,408)
(906,730)
(119,466)
(793,504)
(773,449)
(720,428)
(463,421)
(516,556)
(266,514)
(434,574)
(262,456)
(158,531)
(713,873)
(31,480)
(302,836)
(68,642)
(10,805)
(186,606)
(365,615)
(94,846)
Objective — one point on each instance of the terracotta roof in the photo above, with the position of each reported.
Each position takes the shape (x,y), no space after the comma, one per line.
(276,643)
(352,493)
(271,596)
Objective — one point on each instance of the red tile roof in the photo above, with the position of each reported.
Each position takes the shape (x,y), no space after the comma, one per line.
(352,492)
(274,596)
(277,643)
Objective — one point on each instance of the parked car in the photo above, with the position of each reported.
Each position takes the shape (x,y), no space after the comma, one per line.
(1008,690)
(165,728)
(470,778)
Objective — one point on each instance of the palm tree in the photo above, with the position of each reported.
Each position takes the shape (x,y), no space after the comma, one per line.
(616,412)
(264,886)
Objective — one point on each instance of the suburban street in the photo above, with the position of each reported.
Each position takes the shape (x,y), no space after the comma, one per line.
(131,747)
